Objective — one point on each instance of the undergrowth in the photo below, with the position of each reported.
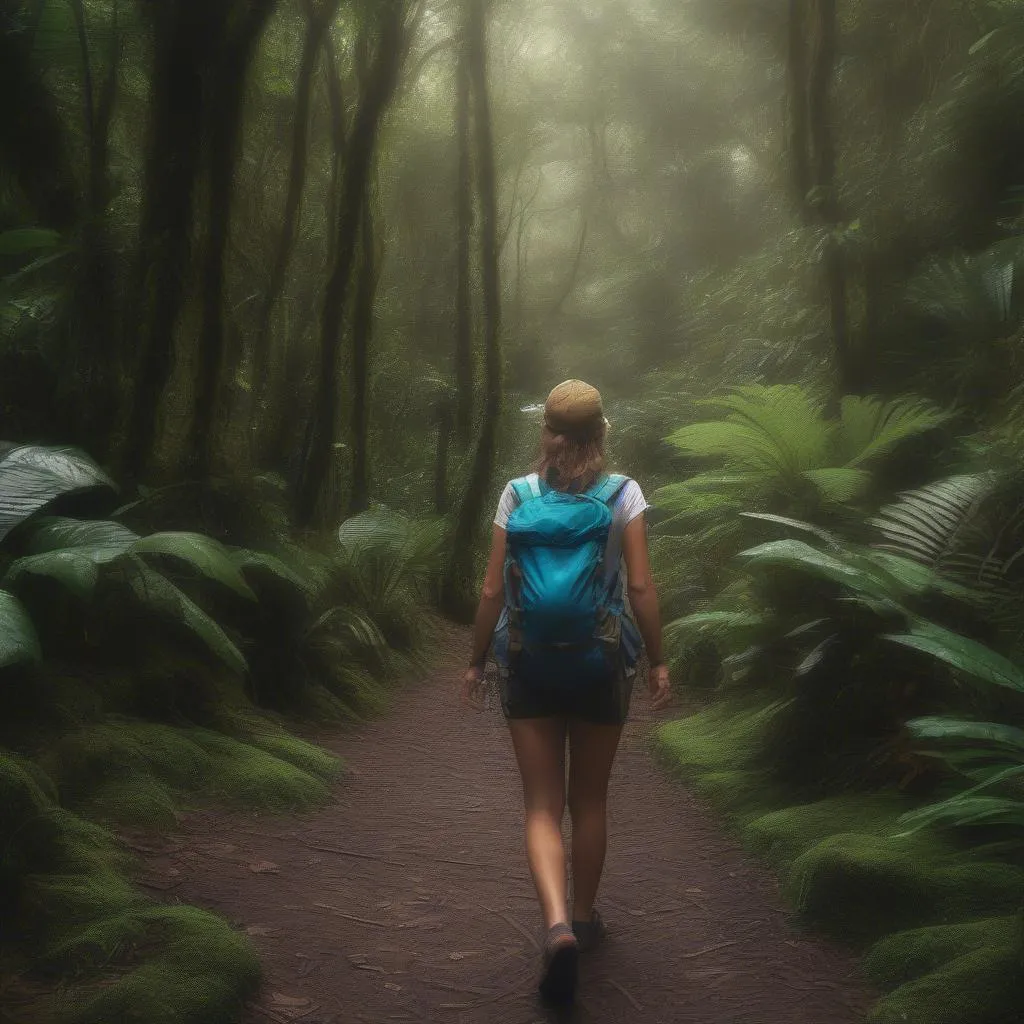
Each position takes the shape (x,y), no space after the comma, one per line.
(940,923)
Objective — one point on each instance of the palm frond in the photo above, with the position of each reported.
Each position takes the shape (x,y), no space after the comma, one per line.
(869,427)
(928,524)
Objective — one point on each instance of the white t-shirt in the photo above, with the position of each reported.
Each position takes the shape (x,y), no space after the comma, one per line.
(629,503)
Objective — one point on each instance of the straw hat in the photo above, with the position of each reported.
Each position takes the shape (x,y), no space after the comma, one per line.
(574,407)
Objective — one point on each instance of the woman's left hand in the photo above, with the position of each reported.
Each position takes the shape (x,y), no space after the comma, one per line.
(472,681)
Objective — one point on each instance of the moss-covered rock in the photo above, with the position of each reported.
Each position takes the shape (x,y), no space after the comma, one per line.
(902,957)
(139,800)
(243,774)
(203,973)
(312,759)
(861,887)
(781,836)
(985,986)
(85,760)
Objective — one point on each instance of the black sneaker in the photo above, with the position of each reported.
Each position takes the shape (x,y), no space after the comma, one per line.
(589,933)
(561,960)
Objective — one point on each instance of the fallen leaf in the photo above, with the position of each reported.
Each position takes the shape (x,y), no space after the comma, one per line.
(392,987)
(279,999)
(264,867)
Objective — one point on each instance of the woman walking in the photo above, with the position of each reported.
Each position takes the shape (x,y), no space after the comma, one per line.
(567,649)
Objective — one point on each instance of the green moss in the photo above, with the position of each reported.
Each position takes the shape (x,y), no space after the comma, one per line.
(312,759)
(137,800)
(725,737)
(203,974)
(860,887)
(242,774)
(23,792)
(781,836)
(87,759)
(985,986)
(738,794)
(902,957)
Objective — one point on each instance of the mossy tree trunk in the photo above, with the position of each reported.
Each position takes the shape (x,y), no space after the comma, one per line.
(457,588)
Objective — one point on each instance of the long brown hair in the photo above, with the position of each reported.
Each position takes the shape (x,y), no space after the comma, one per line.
(572,461)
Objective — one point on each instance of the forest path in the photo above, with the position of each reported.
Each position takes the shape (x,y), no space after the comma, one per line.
(409,898)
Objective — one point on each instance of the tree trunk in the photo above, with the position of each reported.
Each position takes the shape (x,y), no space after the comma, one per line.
(444,441)
(362,338)
(95,359)
(226,106)
(797,74)
(381,84)
(811,73)
(457,591)
(186,34)
(823,159)
(33,141)
(317,27)
(464,228)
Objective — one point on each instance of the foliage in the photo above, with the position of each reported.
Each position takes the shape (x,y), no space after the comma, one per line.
(779,453)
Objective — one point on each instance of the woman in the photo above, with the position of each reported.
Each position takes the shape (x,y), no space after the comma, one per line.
(540,719)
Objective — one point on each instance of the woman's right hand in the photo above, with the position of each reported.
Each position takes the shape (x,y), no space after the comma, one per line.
(659,687)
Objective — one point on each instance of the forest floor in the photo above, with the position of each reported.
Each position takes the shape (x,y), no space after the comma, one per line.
(409,898)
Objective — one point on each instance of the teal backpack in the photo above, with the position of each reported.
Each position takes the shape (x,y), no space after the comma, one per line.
(564,624)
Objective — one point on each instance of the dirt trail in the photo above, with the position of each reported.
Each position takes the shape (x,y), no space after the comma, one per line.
(409,898)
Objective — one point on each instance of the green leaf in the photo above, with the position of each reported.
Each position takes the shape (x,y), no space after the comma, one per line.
(830,539)
(245,559)
(961,653)
(73,569)
(22,240)
(742,446)
(160,594)
(681,501)
(982,42)
(32,476)
(101,540)
(204,554)
(795,554)
(936,728)
(958,812)
(870,428)
(715,622)
(839,484)
(18,640)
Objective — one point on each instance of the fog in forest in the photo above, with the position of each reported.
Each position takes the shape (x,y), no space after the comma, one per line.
(284,285)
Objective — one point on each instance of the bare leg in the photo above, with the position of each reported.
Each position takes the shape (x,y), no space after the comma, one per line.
(540,750)
(592,751)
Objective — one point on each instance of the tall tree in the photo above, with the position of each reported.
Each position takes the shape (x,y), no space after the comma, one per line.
(187,36)
(94,356)
(382,79)
(457,589)
(464,234)
(227,82)
(362,340)
(813,46)
(318,24)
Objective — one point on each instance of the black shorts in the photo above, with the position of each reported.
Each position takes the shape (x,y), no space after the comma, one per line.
(603,704)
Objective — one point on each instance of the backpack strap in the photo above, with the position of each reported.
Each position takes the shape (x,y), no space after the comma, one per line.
(609,488)
(526,488)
